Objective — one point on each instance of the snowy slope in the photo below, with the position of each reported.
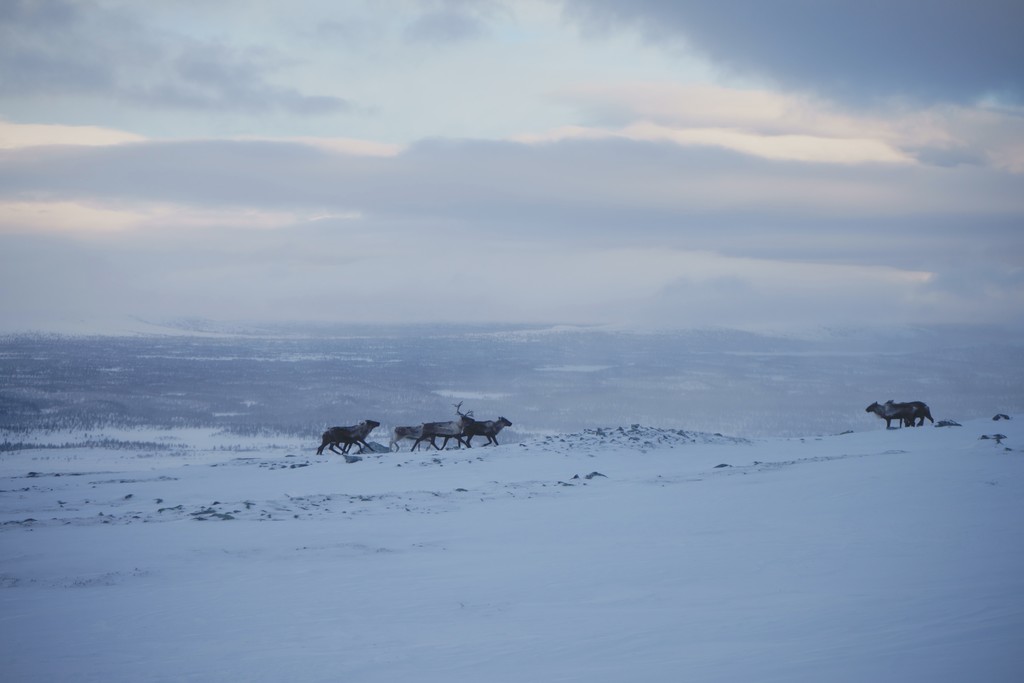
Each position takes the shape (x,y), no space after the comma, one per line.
(623,554)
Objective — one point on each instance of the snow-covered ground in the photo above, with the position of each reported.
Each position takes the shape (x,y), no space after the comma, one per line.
(620,554)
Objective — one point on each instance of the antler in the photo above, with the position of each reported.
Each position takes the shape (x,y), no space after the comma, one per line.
(459,412)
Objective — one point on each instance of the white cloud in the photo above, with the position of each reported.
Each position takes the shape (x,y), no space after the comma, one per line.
(66,217)
(779,125)
(85,219)
(779,147)
(17,135)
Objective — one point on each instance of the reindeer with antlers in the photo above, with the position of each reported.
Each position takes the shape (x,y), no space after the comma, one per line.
(453,429)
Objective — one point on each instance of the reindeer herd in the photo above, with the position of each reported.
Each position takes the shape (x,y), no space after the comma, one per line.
(462,430)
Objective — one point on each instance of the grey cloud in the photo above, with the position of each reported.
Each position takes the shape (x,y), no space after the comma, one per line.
(332,32)
(968,292)
(955,156)
(455,21)
(982,278)
(59,48)
(444,26)
(520,224)
(606,194)
(849,49)
(43,48)
(38,13)
(602,185)
(741,303)
(213,76)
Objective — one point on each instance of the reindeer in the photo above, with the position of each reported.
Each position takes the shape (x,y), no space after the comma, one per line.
(918,411)
(905,413)
(350,435)
(449,430)
(485,428)
(401,433)
(885,412)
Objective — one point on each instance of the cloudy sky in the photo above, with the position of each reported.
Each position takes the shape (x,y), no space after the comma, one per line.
(649,163)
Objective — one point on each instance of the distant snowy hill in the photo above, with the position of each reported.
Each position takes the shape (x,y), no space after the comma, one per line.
(545,380)
(630,553)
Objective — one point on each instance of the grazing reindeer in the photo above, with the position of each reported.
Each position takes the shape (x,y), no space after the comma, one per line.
(350,435)
(449,430)
(485,428)
(905,413)
(401,433)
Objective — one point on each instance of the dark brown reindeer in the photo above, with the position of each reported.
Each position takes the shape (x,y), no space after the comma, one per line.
(452,429)
(919,411)
(886,413)
(348,435)
(906,414)
(486,428)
